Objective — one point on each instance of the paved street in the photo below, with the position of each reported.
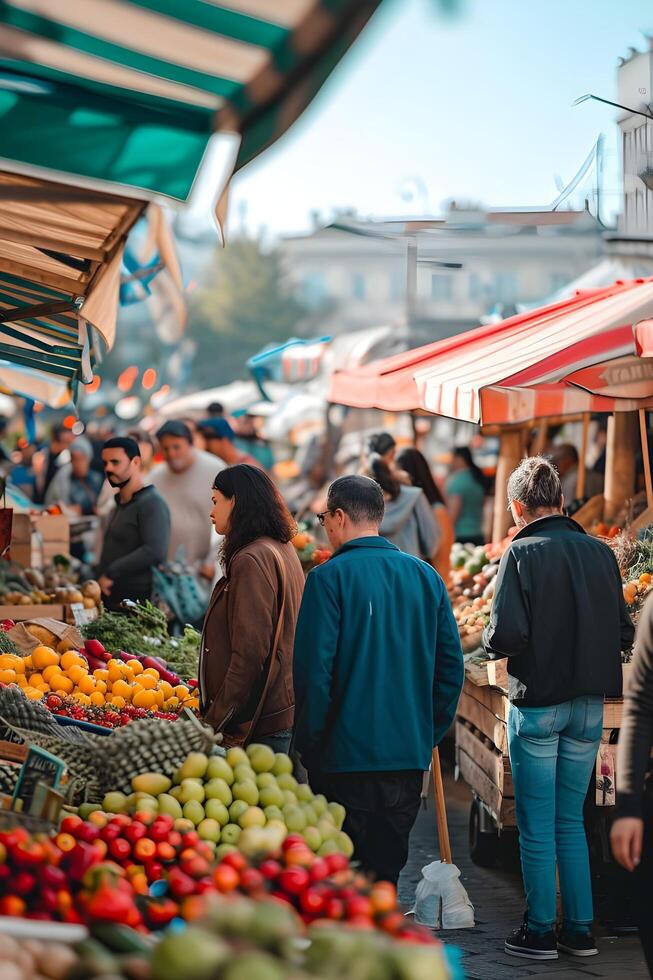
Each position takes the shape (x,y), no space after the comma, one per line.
(498,901)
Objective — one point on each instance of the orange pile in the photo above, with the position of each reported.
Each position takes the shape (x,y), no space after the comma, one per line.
(45,671)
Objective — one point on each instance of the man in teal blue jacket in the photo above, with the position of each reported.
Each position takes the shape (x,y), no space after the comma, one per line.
(378,670)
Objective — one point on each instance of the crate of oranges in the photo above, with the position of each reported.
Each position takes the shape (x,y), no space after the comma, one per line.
(122,689)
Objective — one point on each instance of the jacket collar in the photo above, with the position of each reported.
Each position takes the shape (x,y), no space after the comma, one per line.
(552,522)
(367,542)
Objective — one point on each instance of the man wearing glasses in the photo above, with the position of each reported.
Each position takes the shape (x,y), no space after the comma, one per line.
(378,670)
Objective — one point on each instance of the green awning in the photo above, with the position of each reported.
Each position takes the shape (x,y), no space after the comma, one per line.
(130,91)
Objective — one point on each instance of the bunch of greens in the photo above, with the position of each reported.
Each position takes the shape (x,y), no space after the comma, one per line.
(143,629)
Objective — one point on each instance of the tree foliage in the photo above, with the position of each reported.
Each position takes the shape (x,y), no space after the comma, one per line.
(242,305)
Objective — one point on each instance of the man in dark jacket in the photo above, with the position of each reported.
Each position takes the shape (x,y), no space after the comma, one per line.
(138,533)
(559,616)
(378,670)
(632,832)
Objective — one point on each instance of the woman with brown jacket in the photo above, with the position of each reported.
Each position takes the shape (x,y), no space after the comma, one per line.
(245,670)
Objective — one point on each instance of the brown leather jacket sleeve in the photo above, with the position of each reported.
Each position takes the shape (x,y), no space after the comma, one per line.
(636,735)
(252,619)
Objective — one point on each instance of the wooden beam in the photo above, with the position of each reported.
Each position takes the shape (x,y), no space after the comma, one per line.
(646,459)
(33,312)
(511,452)
(582,458)
(620,453)
(77,285)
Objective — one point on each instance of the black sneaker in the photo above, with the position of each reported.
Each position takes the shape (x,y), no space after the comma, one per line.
(532,945)
(577,943)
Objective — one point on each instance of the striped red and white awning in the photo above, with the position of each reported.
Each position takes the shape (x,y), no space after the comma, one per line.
(590,353)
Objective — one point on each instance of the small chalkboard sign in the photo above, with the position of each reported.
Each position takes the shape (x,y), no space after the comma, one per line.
(39,767)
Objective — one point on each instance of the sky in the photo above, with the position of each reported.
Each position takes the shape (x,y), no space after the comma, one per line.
(475,107)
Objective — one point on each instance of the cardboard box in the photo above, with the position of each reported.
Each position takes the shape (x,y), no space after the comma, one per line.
(35,540)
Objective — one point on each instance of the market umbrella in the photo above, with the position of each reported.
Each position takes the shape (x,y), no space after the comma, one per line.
(131,92)
(578,355)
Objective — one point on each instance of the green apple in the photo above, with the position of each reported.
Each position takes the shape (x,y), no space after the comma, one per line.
(319,804)
(215,810)
(236,756)
(273,813)
(261,757)
(235,810)
(175,793)
(276,833)
(218,789)
(310,814)
(304,793)
(230,834)
(193,810)
(265,779)
(194,766)
(169,806)
(253,842)
(219,768)
(246,791)
(209,830)
(271,796)
(252,817)
(289,798)
(327,828)
(192,789)
(294,818)
(338,813)
(114,803)
(282,764)
(328,847)
(184,825)
(244,774)
(222,850)
(287,781)
(313,838)
(345,844)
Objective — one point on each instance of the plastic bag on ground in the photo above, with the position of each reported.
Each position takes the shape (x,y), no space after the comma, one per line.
(441,902)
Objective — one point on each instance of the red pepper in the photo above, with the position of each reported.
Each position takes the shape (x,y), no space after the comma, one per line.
(81,859)
(110,904)
(6,625)
(164,673)
(160,912)
(27,854)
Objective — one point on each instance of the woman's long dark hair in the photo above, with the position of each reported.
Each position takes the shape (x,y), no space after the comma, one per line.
(377,469)
(462,452)
(412,461)
(259,511)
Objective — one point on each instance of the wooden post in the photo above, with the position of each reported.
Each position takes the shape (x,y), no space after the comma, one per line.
(646,460)
(540,439)
(582,457)
(510,455)
(620,453)
(440,809)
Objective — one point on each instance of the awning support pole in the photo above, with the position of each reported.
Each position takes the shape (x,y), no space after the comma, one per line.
(582,457)
(646,459)
(511,451)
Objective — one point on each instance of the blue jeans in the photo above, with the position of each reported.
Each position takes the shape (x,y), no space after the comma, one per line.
(552,755)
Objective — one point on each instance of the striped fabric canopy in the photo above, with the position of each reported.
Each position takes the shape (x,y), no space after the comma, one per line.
(60,250)
(130,91)
(578,355)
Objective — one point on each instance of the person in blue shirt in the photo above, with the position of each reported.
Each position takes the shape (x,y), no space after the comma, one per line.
(378,670)
(466,489)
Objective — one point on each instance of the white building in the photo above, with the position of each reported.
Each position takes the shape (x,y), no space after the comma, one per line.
(441,275)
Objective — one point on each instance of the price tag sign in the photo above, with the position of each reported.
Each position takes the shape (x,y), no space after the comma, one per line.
(81,615)
(39,767)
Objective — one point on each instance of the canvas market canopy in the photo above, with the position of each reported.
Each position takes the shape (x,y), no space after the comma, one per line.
(130,91)
(60,251)
(578,355)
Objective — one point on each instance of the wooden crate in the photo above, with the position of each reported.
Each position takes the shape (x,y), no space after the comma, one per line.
(491,698)
(471,757)
(495,764)
(484,720)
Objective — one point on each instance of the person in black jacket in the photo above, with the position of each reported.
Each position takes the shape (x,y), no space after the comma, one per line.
(632,831)
(138,533)
(559,616)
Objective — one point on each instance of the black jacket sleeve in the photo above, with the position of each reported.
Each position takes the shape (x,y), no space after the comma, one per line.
(507,633)
(636,736)
(154,530)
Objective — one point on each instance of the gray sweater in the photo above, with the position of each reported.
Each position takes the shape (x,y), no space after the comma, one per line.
(136,539)
(409,523)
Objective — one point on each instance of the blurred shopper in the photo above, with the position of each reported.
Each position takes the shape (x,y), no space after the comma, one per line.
(146,447)
(384,445)
(632,831)
(466,489)
(408,521)
(137,535)
(215,410)
(565,459)
(22,475)
(76,486)
(412,462)
(51,461)
(182,481)
(245,670)
(378,672)
(249,440)
(559,616)
(220,441)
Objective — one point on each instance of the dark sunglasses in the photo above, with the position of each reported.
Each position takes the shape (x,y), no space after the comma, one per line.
(321,517)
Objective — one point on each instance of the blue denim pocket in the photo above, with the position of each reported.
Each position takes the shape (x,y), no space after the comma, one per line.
(593,719)
(533,722)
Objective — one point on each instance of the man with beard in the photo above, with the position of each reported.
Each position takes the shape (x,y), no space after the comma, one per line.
(138,532)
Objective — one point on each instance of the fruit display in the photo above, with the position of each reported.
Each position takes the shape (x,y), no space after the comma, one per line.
(602,530)
(247,798)
(92,685)
(144,631)
(31,959)
(57,584)
(309,552)
(471,588)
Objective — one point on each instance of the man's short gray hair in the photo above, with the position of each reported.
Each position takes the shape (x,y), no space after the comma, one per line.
(359,497)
